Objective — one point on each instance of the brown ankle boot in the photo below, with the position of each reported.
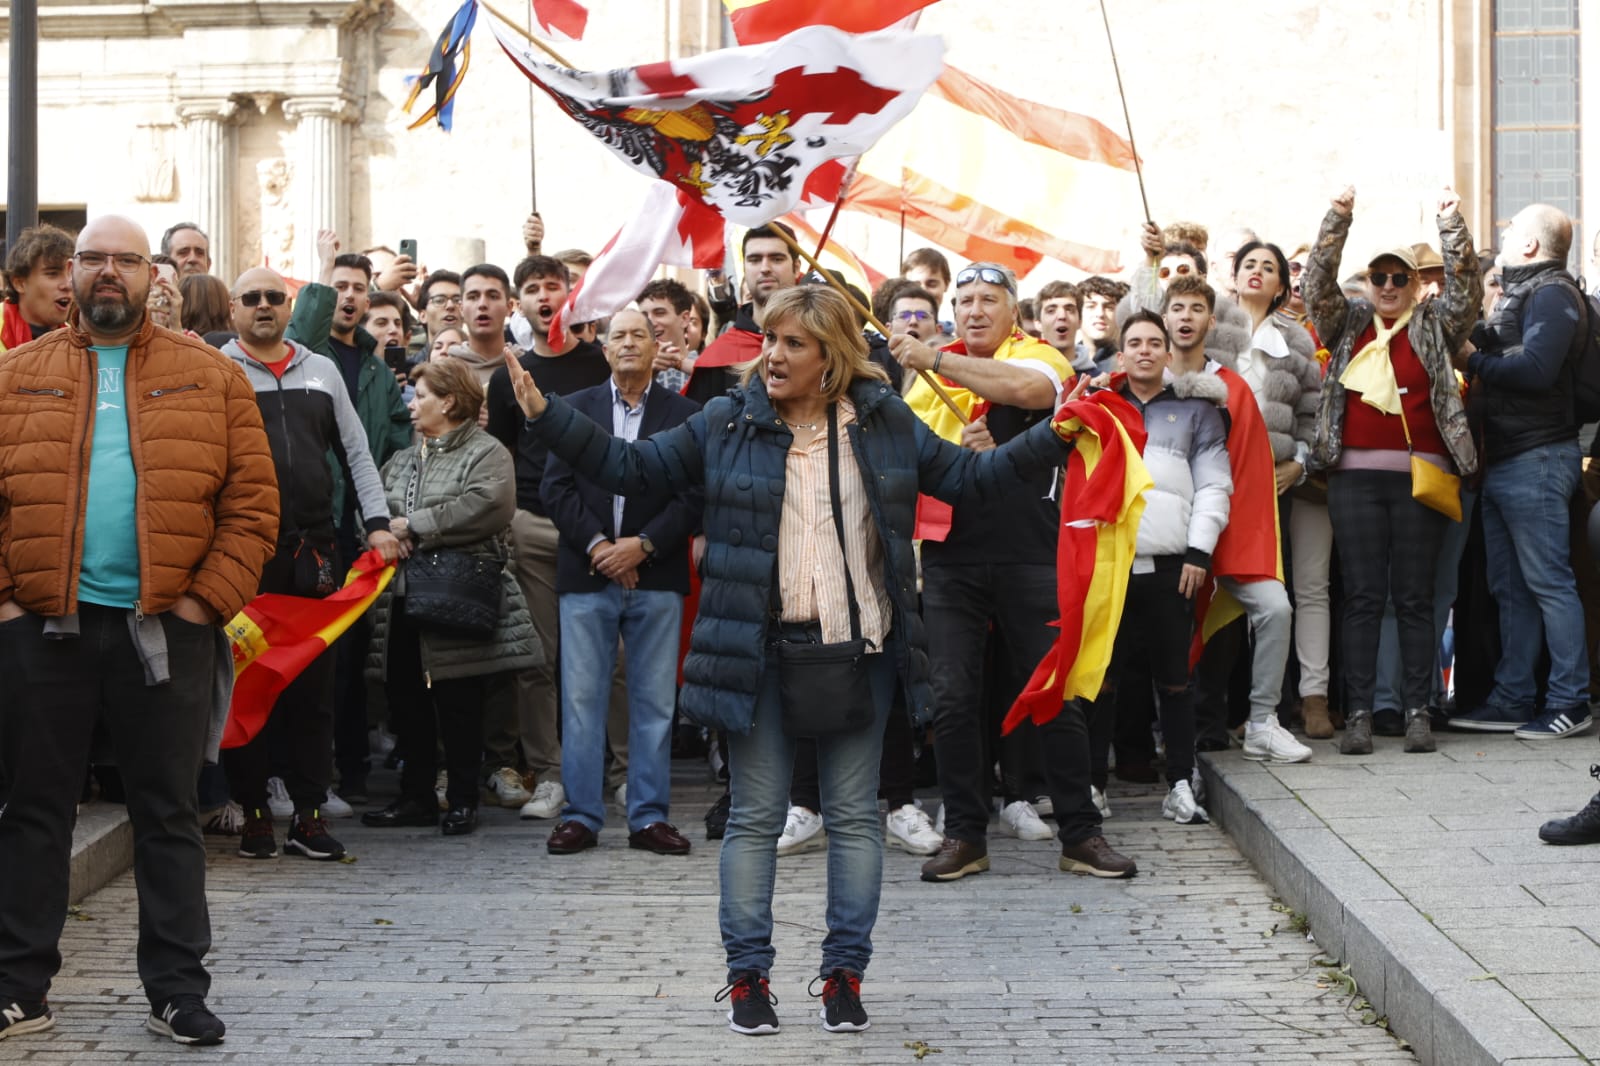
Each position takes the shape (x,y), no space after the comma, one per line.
(1314,712)
(1419,730)
(1357,738)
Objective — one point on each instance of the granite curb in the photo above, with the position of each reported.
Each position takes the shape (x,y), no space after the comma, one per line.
(102,848)
(1433,993)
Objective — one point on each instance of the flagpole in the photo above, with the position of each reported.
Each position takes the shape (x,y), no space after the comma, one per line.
(1126,120)
(551,52)
(871,318)
(533,155)
(833,216)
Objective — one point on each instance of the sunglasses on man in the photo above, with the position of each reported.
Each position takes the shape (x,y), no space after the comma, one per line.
(993,275)
(275,297)
(1379,279)
(1183,270)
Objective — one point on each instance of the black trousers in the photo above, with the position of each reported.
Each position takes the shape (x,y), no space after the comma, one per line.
(56,692)
(450,712)
(297,741)
(350,743)
(959,604)
(1157,621)
(1387,545)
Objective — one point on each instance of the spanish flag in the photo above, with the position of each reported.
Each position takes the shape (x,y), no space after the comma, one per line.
(933,516)
(1102,502)
(1249,548)
(276,636)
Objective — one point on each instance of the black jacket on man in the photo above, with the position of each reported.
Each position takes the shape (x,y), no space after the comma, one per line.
(581,509)
(1523,373)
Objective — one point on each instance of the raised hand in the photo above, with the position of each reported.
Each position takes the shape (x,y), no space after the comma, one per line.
(533,233)
(1150,240)
(1449,202)
(1345,202)
(529,398)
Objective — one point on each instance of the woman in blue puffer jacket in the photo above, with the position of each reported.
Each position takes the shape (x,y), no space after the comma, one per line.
(762,454)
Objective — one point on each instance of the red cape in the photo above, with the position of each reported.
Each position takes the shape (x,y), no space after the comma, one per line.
(1248,547)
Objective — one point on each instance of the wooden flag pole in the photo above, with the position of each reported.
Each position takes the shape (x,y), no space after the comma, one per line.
(872,319)
(1127,121)
(536,42)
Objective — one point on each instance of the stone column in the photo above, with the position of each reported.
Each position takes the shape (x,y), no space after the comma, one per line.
(322,169)
(208,176)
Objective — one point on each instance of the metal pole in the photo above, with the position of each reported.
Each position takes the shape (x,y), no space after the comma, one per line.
(22,173)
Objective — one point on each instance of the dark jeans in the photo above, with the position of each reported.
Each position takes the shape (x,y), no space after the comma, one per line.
(449,712)
(1157,621)
(56,691)
(896,767)
(959,603)
(1387,544)
(299,730)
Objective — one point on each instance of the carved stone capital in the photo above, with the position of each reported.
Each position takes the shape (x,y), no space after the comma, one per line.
(221,109)
(338,108)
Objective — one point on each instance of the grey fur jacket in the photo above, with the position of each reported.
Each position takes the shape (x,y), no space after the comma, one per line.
(1187,455)
(1436,329)
(464,500)
(1291,391)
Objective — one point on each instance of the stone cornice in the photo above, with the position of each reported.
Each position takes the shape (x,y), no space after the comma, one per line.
(108,19)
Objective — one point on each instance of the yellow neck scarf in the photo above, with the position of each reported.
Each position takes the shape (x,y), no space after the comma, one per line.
(1371,374)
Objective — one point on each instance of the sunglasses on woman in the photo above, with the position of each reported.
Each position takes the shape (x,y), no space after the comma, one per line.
(1400,278)
(1183,270)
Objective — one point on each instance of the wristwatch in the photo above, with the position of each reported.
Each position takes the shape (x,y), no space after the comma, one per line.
(646,545)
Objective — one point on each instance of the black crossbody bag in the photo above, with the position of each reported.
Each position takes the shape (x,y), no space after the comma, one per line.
(826,689)
(450,589)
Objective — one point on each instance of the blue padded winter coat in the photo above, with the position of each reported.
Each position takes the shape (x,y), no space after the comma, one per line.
(737,447)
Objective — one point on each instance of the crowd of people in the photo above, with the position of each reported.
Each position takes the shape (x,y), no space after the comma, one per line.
(1366,522)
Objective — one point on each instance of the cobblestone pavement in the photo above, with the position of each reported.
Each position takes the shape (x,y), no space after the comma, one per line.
(487,949)
(1454,835)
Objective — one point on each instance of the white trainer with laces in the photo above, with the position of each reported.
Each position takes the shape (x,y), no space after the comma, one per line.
(1022,821)
(278,800)
(1101,804)
(505,785)
(802,831)
(335,806)
(909,829)
(548,799)
(226,820)
(1181,807)
(1273,744)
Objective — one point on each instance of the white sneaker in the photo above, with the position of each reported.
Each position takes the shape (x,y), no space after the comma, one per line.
(802,831)
(441,787)
(1101,804)
(335,807)
(278,800)
(620,797)
(505,785)
(548,799)
(1044,806)
(1273,744)
(911,830)
(1022,821)
(1181,807)
(225,821)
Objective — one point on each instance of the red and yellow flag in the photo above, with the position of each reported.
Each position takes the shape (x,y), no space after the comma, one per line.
(276,636)
(1101,504)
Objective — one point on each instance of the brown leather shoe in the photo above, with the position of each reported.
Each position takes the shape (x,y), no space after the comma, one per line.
(1314,712)
(571,837)
(660,837)
(955,860)
(1095,857)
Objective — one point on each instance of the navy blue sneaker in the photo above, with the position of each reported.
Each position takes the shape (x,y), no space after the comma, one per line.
(1553,725)
(1490,719)
(19,1018)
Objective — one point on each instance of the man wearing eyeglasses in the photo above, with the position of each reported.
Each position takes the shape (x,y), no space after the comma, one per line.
(991,570)
(440,298)
(308,416)
(137,507)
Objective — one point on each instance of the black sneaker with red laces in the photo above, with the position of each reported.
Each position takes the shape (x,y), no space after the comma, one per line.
(750,1001)
(255,836)
(308,835)
(842,1011)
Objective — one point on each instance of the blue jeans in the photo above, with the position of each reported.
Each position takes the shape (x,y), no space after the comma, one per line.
(1527,532)
(591,623)
(760,765)
(1446,578)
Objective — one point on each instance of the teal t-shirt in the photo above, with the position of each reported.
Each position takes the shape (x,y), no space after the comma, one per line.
(109,575)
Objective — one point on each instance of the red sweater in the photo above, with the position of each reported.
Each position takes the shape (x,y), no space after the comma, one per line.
(1367,427)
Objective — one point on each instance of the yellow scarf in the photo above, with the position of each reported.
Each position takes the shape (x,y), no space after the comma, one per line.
(1371,373)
